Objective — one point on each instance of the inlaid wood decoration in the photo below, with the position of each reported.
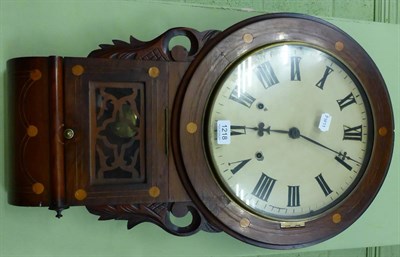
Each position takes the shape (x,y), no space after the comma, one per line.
(278,131)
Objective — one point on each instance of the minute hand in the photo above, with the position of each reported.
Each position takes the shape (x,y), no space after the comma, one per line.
(295,133)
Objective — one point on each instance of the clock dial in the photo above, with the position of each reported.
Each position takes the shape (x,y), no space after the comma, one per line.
(285,131)
(289,131)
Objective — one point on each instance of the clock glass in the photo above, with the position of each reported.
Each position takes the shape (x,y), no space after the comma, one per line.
(288,131)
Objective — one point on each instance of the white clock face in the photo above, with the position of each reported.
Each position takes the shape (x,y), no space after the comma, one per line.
(289,132)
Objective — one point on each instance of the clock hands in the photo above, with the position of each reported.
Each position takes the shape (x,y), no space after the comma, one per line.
(294,133)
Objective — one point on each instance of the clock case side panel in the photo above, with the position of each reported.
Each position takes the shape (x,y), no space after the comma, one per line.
(202,76)
(38,175)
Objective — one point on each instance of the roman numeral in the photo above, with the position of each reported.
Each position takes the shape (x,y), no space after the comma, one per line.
(264,187)
(295,68)
(238,165)
(324,186)
(321,82)
(266,75)
(242,98)
(238,130)
(349,99)
(354,133)
(293,196)
(341,159)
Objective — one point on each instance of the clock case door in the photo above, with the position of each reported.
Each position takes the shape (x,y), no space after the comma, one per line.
(117,112)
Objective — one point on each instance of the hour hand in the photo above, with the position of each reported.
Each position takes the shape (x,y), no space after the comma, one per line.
(241,130)
(261,129)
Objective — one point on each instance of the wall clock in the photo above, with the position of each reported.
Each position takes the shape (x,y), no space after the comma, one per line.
(278,131)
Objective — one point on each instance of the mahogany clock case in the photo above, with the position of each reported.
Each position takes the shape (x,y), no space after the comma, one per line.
(123,131)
